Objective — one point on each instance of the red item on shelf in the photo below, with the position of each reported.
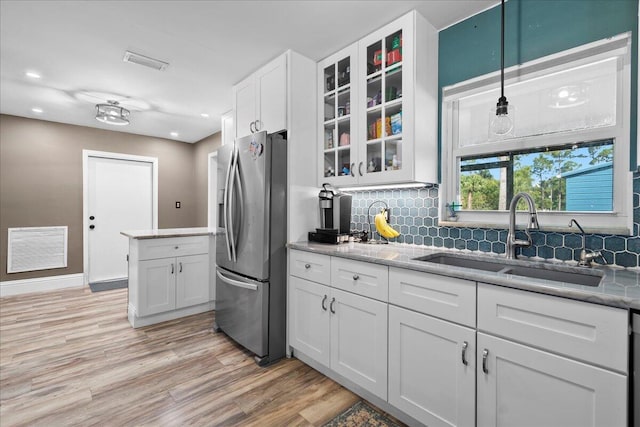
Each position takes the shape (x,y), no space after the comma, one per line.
(377,57)
(394,56)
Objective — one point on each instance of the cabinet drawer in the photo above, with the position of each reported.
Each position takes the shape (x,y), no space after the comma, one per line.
(362,278)
(588,332)
(439,296)
(310,266)
(172,247)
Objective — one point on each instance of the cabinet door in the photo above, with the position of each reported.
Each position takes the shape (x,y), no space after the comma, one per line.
(157,286)
(227,128)
(359,340)
(309,318)
(192,280)
(431,369)
(271,81)
(244,106)
(337,126)
(519,385)
(386,101)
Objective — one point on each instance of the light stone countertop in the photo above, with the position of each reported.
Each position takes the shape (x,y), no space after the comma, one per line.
(619,287)
(169,232)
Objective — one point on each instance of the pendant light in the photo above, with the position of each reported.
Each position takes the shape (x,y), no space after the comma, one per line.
(112,113)
(502,123)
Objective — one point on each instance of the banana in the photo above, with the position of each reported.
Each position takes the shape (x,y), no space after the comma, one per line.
(383,227)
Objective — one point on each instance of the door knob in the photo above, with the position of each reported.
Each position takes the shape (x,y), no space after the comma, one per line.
(92,226)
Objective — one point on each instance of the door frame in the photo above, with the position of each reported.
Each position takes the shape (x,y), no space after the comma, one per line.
(86,154)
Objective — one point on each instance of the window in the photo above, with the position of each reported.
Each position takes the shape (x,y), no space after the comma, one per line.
(569,147)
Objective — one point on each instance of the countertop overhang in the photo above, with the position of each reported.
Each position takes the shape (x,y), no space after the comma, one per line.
(169,232)
(619,288)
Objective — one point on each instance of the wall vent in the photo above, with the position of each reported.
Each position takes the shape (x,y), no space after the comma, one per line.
(136,58)
(36,248)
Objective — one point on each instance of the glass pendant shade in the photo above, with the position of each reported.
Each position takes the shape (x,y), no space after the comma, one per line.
(502,121)
(112,114)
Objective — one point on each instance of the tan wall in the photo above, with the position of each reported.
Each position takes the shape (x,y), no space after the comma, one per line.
(41,180)
(201,167)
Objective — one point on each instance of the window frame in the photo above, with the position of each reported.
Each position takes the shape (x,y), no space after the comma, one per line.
(620,220)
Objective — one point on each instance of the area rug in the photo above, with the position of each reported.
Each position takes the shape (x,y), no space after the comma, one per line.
(361,414)
(108,285)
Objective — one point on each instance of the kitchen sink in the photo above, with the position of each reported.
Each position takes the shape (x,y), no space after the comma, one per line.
(535,270)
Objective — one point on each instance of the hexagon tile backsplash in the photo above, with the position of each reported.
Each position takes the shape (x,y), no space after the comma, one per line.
(414,212)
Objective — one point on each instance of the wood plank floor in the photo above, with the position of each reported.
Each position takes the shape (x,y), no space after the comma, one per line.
(70,357)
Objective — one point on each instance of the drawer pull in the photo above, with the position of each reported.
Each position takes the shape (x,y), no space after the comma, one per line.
(464,353)
(485,355)
(307,266)
(356,277)
(331,306)
(177,247)
(172,270)
(324,307)
(180,270)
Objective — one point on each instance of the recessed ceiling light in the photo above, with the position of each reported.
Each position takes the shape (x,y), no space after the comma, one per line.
(174,134)
(37,110)
(32,74)
(205,115)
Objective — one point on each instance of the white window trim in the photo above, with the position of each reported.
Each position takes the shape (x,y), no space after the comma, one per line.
(620,221)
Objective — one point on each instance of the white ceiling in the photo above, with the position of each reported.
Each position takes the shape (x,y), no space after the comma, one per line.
(77,47)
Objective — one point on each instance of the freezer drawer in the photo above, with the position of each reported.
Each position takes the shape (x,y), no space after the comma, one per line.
(242,310)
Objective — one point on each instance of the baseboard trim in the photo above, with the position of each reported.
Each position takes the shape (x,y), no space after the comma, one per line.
(39,284)
(138,322)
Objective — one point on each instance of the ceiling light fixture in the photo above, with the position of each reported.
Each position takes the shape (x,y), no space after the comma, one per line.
(502,123)
(205,115)
(112,113)
(174,134)
(32,75)
(37,110)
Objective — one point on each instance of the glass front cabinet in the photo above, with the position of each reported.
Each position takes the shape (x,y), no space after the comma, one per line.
(387,107)
(337,92)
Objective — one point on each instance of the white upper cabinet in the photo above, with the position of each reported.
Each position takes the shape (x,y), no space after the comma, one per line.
(337,126)
(260,100)
(388,132)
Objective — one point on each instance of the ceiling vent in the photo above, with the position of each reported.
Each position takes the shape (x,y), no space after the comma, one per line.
(136,58)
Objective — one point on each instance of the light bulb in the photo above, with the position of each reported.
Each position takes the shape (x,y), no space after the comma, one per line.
(501,124)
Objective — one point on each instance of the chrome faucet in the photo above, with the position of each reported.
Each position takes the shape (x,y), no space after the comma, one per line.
(585,258)
(512,242)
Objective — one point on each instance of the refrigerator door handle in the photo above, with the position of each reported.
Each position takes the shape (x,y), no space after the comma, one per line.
(240,203)
(226,206)
(231,207)
(237,283)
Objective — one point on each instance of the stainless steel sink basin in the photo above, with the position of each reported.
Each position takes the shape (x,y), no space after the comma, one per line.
(535,270)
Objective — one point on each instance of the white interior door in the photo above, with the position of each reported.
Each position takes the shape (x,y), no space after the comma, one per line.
(120,197)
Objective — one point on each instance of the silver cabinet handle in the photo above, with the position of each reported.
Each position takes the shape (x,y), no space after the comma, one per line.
(177,247)
(485,355)
(360,169)
(331,306)
(307,266)
(172,270)
(356,277)
(324,307)
(258,125)
(180,269)
(252,127)
(353,165)
(464,353)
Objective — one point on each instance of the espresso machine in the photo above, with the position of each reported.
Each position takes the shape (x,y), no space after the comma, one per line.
(335,216)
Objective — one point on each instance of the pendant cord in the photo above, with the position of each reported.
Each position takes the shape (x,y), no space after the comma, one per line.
(502,53)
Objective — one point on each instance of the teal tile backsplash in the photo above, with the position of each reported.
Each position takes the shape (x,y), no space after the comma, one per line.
(414,212)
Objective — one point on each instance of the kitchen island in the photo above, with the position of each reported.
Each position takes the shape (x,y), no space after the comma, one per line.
(170,274)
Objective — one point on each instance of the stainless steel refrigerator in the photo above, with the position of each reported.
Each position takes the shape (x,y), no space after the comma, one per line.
(251,254)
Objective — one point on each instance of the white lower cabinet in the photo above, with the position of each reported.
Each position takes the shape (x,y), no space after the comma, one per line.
(170,283)
(522,386)
(431,368)
(343,331)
